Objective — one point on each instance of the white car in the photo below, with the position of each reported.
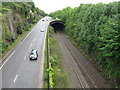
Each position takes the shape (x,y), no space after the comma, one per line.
(33,55)
(42,30)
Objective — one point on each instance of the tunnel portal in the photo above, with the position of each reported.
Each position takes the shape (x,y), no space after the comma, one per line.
(57,25)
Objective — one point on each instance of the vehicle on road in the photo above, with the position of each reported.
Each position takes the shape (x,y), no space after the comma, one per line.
(42,30)
(33,55)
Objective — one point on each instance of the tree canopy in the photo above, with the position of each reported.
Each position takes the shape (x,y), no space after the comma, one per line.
(95,28)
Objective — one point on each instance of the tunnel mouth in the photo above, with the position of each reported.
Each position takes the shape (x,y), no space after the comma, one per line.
(57,25)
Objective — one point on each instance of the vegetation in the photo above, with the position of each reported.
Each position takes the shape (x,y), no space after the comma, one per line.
(17,18)
(95,28)
(58,76)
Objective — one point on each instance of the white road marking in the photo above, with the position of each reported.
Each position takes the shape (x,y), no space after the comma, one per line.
(11,86)
(34,39)
(28,34)
(24,57)
(40,85)
(15,78)
(30,46)
(14,51)
(25,37)
(7,59)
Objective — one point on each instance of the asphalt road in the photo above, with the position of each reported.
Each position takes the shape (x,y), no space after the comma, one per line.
(17,70)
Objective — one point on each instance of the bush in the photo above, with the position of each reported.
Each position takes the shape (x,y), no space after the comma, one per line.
(95,29)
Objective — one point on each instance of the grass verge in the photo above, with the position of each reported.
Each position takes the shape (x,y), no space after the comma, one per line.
(58,76)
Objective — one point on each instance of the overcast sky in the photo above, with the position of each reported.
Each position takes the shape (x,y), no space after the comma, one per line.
(49,6)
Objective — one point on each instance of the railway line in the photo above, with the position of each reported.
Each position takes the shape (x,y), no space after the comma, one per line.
(81,71)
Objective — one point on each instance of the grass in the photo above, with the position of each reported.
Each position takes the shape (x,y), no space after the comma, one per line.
(60,76)
(57,72)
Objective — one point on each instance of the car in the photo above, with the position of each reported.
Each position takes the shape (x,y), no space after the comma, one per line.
(33,55)
(42,30)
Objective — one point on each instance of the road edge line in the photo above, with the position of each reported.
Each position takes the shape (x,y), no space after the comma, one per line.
(39,85)
(9,52)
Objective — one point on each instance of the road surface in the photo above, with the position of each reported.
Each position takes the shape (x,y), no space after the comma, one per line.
(17,70)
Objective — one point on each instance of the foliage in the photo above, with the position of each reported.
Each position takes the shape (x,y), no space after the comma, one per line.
(17,17)
(95,28)
(56,73)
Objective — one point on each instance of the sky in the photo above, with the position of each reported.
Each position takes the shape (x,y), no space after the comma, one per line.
(49,6)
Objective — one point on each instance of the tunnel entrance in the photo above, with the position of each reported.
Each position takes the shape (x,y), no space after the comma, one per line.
(57,25)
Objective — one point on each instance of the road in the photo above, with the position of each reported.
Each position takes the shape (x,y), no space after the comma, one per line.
(17,70)
(82,73)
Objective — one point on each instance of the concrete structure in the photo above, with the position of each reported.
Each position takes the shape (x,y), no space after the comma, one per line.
(57,25)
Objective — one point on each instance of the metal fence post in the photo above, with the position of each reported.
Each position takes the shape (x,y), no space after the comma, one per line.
(48,61)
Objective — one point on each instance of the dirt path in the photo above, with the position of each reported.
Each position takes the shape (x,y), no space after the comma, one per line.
(82,73)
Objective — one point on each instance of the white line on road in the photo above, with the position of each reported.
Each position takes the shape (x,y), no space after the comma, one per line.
(28,34)
(11,86)
(24,57)
(40,81)
(20,44)
(7,59)
(30,45)
(38,31)
(15,78)
(34,39)
(25,37)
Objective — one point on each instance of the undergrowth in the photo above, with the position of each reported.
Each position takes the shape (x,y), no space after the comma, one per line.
(58,76)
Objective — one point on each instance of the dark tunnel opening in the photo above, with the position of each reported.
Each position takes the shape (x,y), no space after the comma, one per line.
(57,25)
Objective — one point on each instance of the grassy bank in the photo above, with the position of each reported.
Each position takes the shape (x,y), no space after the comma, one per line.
(16,20)
(20,37)
(58,76)
(95,29)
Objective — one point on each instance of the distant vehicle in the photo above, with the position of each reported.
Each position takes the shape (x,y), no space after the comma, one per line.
(42,30)
(33,55)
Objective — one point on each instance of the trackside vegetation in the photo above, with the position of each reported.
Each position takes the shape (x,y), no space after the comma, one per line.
(17,19)
(57,74)
(95,29)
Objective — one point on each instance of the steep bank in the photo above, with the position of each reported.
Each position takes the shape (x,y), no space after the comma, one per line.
(95,29)
(17,18)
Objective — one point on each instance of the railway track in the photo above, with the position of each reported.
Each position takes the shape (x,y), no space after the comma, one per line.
(83,74)
(71,66)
